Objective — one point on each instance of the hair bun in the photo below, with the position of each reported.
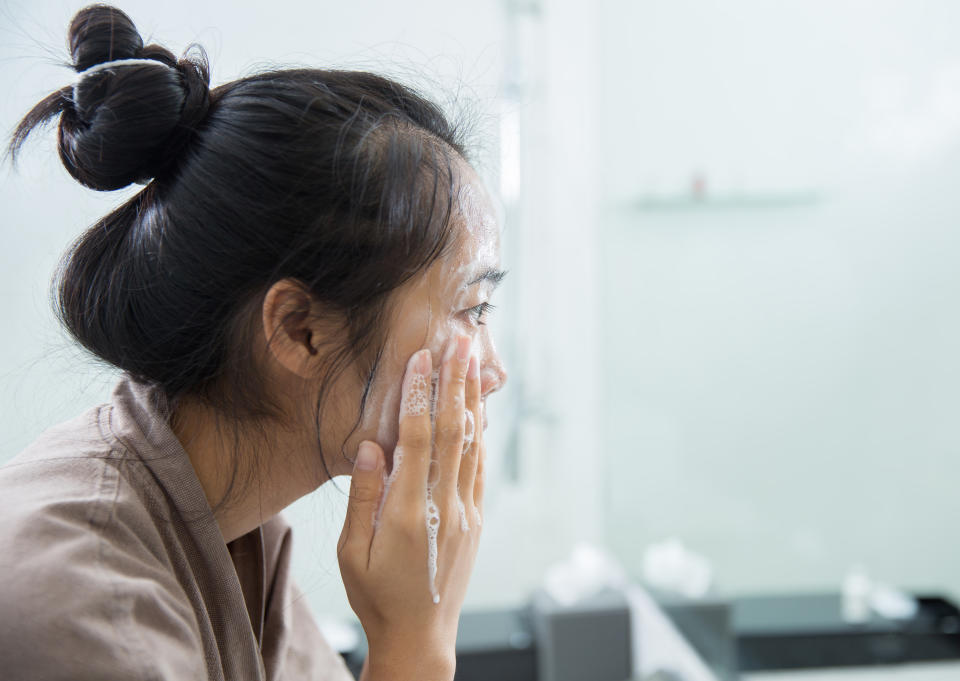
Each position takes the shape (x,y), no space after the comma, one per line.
(133,108)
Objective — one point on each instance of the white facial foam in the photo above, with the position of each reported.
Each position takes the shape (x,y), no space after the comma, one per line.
(433,528)
(416,401)
(469,428)
(464,525)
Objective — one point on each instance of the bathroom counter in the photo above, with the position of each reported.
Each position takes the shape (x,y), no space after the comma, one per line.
(925,671)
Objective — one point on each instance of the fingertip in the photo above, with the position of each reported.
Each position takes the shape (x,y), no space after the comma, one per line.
(369,456)
(464,344)
(424,363)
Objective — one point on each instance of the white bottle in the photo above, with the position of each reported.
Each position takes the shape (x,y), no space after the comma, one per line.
(855,599)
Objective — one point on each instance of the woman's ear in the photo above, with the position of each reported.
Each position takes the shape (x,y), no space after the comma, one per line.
(294,328)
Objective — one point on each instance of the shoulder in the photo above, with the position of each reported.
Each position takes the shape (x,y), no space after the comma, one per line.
(79,437)
(75,487)
(85,587)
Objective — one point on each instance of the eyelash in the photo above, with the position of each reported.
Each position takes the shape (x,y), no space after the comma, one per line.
(480,311)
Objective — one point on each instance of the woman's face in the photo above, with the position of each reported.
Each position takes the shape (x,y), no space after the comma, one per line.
(448,299)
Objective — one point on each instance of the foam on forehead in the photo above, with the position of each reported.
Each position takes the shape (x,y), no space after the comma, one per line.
(472,206)
(480,223)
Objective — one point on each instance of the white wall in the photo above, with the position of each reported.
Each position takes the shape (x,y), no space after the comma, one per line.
(782,384)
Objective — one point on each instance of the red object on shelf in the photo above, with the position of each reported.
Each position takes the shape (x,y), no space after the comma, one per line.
(698,188)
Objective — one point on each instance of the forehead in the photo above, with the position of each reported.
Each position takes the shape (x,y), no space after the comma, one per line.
(476,227)
(475,246)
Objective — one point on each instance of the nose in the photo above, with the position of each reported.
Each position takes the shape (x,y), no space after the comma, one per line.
(492,376)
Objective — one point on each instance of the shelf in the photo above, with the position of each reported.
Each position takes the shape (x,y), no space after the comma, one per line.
(724,202)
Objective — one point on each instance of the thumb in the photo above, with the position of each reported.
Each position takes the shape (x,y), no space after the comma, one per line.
(365,490)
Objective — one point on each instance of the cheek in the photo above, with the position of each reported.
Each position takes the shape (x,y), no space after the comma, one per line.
(383,400)
(443,328)
(432,331)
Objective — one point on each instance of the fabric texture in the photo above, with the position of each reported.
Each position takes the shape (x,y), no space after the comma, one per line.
(113,566)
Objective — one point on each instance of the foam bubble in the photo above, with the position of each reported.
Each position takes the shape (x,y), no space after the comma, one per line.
(416,401)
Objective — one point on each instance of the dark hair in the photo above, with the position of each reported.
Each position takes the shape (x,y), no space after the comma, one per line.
(342,180)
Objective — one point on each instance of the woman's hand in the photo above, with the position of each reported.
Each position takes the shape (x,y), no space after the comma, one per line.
(385,564)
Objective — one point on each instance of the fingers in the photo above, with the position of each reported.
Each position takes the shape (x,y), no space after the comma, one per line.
(450,419)
(481,454)
(365,490)
(410,472)
(468,465)
(440,458)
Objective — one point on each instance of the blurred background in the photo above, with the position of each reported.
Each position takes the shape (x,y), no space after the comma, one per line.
(732,230)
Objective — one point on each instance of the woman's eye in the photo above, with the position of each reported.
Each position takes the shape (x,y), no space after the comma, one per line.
(479,312)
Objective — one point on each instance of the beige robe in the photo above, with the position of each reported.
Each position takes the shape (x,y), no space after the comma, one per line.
(112,565)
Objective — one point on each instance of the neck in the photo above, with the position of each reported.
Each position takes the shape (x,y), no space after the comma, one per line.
(233,464)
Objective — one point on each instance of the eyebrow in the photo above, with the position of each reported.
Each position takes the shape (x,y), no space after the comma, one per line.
(491,274)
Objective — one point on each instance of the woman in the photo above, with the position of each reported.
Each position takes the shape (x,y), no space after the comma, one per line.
(299,292)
